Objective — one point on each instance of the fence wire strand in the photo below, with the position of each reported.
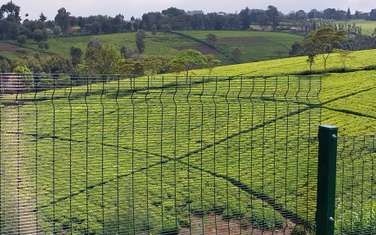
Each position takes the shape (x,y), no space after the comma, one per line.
(163,155)
(355,205)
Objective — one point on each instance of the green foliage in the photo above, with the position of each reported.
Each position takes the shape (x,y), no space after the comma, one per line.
(257,214)
(323,41)
(296,49)
(75,56)
(132,67)
(236,54)
(42,18)
(27,79)
(21,39)
(212,62)
(101,59)
(5,65)
(56,65)
(43,45)
(62,19)
(311,61)
(140,41)
(57,30)
(12,11)
(22,69)
(173,12)
(126,52)
(344,55)
(154,30)
(40,35)
(254,45)
(187,60)
(155,65)
(211,38)
(273,16)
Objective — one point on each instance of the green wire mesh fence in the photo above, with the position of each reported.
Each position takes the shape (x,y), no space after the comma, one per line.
(158,155)
(356,186)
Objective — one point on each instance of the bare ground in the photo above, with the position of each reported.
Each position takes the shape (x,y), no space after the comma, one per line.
(216,225)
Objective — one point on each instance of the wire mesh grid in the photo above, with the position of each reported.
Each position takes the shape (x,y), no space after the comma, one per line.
(356,185)
(158,155)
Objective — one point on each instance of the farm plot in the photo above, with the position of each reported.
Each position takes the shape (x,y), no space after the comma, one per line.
(253,45)
(157,154)
(129,161)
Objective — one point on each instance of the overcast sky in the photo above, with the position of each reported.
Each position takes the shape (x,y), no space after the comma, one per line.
(137,7)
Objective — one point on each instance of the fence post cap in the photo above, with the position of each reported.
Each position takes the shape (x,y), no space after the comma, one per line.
(328,127)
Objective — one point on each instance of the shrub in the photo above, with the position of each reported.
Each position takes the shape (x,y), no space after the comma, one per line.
(43,45)
(21,39)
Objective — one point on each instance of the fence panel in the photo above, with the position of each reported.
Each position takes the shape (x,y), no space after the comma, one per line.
(356,185)
(158,155)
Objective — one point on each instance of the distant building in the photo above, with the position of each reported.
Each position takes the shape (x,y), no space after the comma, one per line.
(193,13)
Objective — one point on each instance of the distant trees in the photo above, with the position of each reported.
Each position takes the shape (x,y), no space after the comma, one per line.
(344,55)
(211,39)
(245,18)
(40,35)
(311,60)
(75,56)
(11,12)
(155,65)
(173,12)
(212,62)
(56,65)
(100,59)
(236,54)
(21,39)
(372,15)
(126,52)
(322,42)
(43,45)
(62,19)
(12,26)
(296,49)
(22,69)
(140,41)
(187,60)
(5,65)
(348,14)
(42,18)
(9,21)
(273,16)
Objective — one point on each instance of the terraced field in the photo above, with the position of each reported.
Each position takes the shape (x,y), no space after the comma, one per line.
(368,26)
(162,154)
(254,45)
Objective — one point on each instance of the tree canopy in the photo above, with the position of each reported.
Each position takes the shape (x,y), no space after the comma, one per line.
(187,60)
(323,41)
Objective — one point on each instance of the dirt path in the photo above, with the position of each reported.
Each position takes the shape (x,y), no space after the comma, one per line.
(17,186)
(216,225)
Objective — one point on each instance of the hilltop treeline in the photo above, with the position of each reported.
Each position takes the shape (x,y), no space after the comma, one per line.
(13,27)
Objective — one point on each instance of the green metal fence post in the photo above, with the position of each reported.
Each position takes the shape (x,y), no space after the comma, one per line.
(326,187)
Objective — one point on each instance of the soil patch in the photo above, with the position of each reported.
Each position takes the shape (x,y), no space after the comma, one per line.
(10,48)
(216,225)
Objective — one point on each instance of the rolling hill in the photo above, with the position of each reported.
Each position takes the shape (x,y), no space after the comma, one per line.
(254,45)
(144,154)
(368,26)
